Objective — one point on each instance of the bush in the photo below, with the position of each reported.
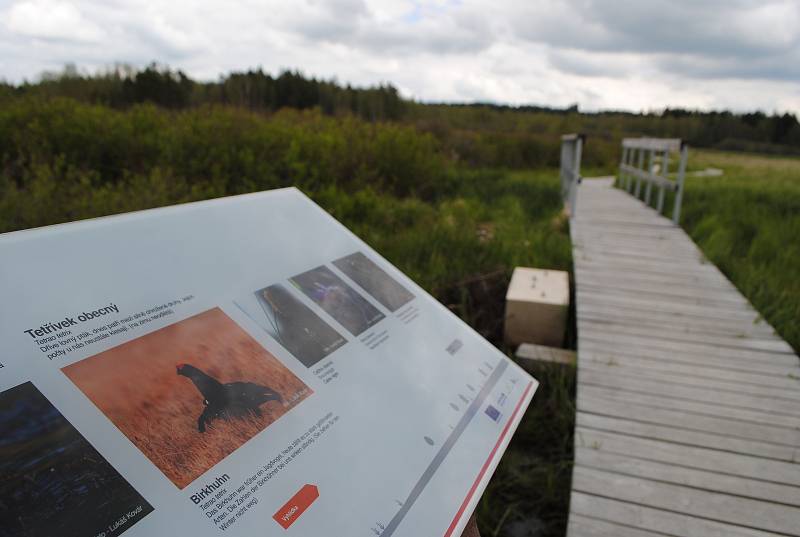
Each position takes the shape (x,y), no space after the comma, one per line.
(58,155)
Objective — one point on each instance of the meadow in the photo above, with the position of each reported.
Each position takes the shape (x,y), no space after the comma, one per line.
(747,222)
(456,197)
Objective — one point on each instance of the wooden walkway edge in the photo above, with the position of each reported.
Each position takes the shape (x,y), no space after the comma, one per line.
(688,403)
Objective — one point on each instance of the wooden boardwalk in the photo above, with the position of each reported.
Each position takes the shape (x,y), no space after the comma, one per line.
(688,419)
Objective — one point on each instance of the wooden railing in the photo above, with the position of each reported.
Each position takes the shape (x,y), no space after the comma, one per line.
(646,163)
(571,149)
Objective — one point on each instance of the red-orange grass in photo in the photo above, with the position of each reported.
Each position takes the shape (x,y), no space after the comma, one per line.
(137,386)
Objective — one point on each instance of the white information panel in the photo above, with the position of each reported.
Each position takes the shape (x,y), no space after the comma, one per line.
(244,366)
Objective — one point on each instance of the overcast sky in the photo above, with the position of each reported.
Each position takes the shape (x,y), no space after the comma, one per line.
(601,54)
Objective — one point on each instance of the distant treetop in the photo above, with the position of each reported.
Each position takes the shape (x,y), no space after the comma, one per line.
(123,86)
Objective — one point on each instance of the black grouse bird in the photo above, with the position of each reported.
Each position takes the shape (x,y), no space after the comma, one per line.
(233,399)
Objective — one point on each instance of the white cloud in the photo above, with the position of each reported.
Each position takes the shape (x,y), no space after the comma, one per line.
(51,19)
(623,54)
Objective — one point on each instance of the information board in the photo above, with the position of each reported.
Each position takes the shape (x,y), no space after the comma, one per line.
(244,366)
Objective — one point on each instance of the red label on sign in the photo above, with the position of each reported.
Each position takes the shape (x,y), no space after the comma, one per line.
(296,506)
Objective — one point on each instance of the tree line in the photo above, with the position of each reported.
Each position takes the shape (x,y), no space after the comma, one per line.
(123,86)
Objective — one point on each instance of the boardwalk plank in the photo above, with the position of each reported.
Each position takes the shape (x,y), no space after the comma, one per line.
(742,340)
(725,397)
(706,409)
(682,419)
(583,526)
(657,520)
(690,477)
(645,344)
(722,370)
(684,456)
(760,515)
(657,320)
(609,351)
(688,420)
(690,378)
(688,437)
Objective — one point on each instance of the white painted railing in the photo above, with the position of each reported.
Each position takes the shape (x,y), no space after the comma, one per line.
(571,149)
(634,172)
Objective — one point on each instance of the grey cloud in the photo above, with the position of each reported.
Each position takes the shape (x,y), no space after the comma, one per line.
(333,21)
(426,40)
(582,63)
(349,22)
(636,26)
(726,37)
(155,44)
(129,35)
(785,67)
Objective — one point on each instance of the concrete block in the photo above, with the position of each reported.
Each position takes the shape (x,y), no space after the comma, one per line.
(529,352)
(537,302)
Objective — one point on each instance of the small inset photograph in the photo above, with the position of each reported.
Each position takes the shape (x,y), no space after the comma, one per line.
(52,481)
(374,280)
(189,394)
(338,299)
(295,326)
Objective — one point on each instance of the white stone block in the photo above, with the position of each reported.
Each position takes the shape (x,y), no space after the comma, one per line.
(537,302)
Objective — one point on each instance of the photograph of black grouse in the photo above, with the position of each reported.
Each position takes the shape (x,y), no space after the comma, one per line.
(338,299)
(295,326)
(229,400)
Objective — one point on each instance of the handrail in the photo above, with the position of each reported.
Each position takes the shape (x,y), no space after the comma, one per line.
(647,176)
(654,144)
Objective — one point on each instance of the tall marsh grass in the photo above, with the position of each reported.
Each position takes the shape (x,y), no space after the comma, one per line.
(747,222)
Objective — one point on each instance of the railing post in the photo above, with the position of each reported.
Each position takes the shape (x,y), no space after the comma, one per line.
(571,151)
(563,163)
(576,175)
(628,176)
(676,211)
(665,173)
(651,170)
(627,152)
(640,165)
